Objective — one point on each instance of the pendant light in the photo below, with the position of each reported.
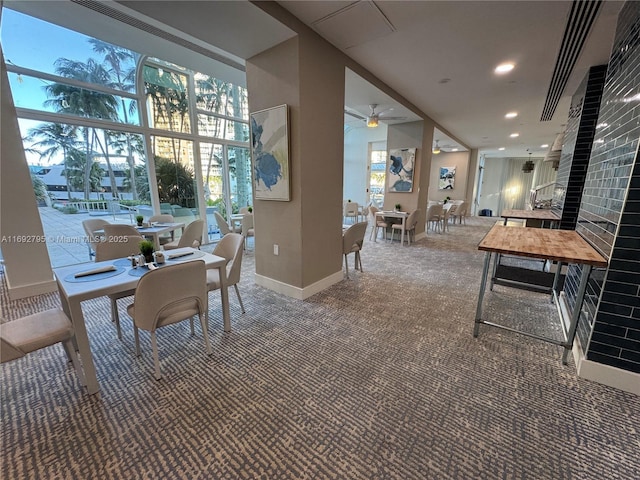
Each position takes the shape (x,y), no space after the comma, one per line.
(528,166)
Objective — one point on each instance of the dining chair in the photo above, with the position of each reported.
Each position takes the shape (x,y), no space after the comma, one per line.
(223,226)
(460,213)
(446,213)
(91,225)
(377,223)
(434,216)
(351,211)
(352,241)
(114,230)
(243,210)
(409,226)
(28,334)
(229,247)
(191,237)
(121,247)
(164,218)
(170,295)
(248,229)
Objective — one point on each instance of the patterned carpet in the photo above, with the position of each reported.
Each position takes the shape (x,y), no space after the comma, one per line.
(377,377)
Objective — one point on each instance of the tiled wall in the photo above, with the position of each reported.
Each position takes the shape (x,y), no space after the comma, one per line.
(576,150)
(609,215)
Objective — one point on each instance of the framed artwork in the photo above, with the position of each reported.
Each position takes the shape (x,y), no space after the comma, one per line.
(447,178)
(401,167)
(270,154)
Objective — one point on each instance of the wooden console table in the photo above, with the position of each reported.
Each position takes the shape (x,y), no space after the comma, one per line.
(562,246)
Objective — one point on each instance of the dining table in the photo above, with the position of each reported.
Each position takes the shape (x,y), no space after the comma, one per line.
(81,282)
(156,229)
(394,214)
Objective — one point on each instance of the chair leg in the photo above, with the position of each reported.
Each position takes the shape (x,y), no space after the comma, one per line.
(239,299)
(156,357)
(346,264)
(71,353)
(193,331)
(359,260)
(137,337)
(115,317)
(205,332)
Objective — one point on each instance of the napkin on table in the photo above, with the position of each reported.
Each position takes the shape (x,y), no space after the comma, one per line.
(108,268)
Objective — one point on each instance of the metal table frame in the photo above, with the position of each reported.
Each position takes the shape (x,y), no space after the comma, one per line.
(588,261)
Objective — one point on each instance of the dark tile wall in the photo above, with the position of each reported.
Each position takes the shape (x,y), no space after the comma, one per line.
(609,215)
(576,150)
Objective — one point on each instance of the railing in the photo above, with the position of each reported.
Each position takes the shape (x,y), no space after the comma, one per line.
(112,207)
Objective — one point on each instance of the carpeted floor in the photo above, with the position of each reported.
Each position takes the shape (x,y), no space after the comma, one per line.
(377,377)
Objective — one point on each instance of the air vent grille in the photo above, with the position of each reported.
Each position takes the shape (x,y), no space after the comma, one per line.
(579,23)
(103,9)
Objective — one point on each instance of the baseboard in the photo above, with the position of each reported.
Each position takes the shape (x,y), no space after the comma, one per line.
(598,372)
(16,293)
(610,376)
(297,292)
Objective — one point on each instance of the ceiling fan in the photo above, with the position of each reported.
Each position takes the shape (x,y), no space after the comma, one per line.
(373,117)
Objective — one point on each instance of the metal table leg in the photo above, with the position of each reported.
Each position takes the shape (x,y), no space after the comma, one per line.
(483,286)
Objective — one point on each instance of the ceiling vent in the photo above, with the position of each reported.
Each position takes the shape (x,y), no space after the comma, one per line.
(581,18)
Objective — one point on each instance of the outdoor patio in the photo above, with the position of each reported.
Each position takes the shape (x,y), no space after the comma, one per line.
(65,236)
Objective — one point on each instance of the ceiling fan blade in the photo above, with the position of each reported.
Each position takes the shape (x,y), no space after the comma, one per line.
(355,115)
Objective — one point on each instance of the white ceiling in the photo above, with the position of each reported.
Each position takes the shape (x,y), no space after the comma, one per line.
(410,45)
(463,41)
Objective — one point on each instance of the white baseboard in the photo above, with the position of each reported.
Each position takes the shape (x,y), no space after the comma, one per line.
(297,292)
(16,293)
(599,372)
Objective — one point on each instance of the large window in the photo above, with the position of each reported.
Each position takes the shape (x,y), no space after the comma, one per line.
(99,121)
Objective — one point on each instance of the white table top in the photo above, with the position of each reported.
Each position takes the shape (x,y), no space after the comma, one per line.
(118,283)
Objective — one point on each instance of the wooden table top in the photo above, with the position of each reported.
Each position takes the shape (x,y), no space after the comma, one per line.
(565,246)
(537,214)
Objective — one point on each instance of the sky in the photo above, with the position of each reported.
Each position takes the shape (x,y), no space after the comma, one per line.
(32,43)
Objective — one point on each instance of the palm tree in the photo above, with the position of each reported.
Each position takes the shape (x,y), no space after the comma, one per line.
(75,169)
(86,103)
(175,183)
(55,138)
(122,69)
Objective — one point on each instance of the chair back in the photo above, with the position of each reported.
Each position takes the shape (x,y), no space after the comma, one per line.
(461,209)
(244,210)
(434,212)
(247,224)
(223,226)
(121,247)
(412,219)
(192,234)
(117,230)
(90,225)
(231,247)
(162,218)
(372,213)
(351,209)
(170,294)
(353,237)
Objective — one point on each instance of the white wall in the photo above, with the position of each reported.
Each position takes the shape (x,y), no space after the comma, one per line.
(356,160)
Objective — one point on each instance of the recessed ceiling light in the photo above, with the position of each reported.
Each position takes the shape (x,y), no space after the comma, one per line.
(504,68)
(454,149)
(511,115)
(501,149)
(544,145)
(514,135)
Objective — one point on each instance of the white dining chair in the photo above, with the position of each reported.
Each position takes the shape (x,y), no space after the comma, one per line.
(28,334)
(409,226)
(191,237)
(352,242)
(229,247)
(169,295)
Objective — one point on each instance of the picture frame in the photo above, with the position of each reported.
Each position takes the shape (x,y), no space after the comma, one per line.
(447,178)
(400,171)
(270,159)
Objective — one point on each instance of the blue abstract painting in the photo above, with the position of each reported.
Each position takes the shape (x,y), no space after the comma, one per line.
(270,153)
(401,165)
